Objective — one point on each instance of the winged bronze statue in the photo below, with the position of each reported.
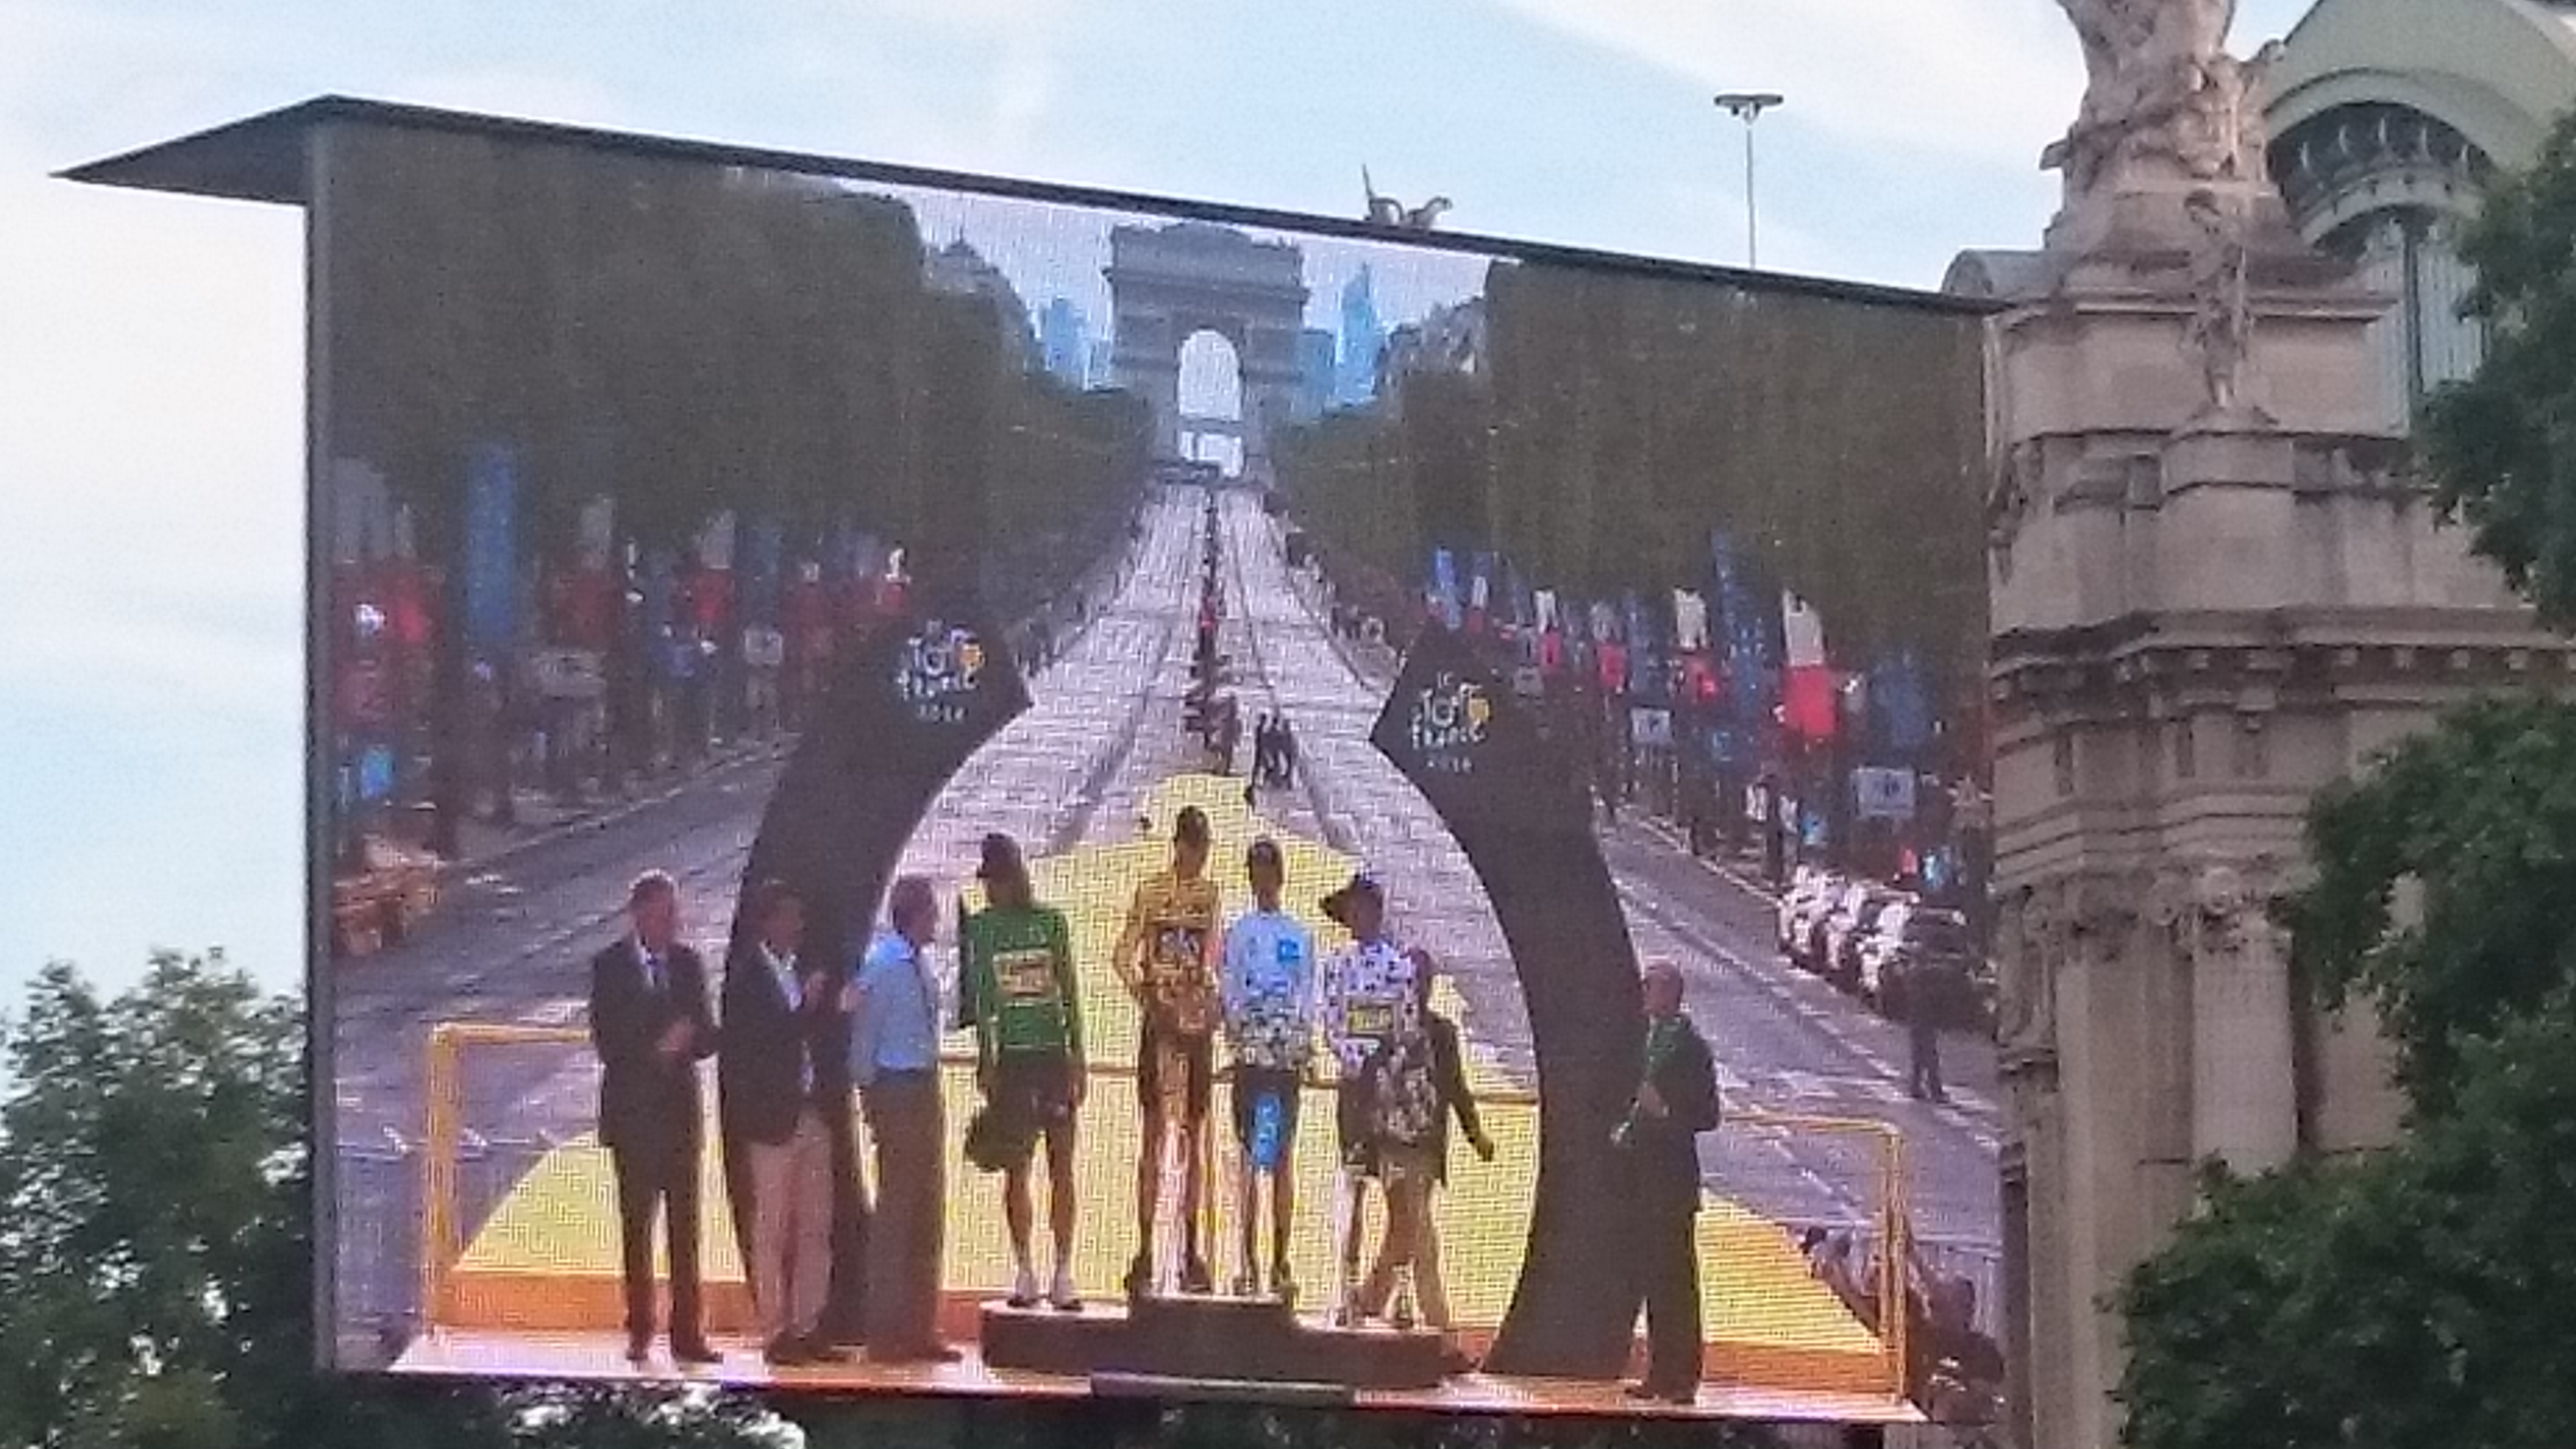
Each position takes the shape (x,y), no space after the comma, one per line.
(1387,211)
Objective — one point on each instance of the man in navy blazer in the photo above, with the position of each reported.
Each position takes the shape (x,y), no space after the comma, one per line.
(650,1024)
(783,1090)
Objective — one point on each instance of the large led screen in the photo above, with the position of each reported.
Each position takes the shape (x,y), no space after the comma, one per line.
(932,789)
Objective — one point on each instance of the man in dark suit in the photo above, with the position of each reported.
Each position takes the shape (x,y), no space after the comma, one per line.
(649,1023)
(785,1087)
(1676,1101)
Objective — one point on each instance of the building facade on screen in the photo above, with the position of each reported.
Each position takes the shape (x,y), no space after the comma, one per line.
(704,548)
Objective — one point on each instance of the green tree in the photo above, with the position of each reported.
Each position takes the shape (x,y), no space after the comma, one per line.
(2414,1299)
(2500,445)
(155,1258)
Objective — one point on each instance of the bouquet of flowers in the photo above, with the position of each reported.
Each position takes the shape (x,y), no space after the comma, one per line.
(1663,1038)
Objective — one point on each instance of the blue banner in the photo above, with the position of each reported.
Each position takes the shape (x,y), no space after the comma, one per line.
(1900,707)
(1744,628)
(491,547)
(764,564)
(1725,746)
(1444,588)
(654,585)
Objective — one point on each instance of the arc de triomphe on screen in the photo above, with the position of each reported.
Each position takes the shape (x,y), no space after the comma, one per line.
(1167,284)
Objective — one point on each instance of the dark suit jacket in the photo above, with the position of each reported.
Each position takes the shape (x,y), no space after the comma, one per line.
(757,1080)
(646,1101)
(1665,1150)
(1449,1075)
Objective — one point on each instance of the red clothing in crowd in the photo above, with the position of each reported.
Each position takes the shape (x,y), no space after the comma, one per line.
(403,591)
(582,608)
(709,597)
(1700,678)
(1808,702)
(1613,659)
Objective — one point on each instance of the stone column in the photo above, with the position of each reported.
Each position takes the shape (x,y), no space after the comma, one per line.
(2244,1082)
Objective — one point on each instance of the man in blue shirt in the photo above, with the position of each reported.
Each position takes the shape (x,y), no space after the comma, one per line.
(894,1058)
(1268,992)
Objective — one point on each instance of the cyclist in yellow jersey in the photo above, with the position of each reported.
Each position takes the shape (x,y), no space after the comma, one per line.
(1167,959)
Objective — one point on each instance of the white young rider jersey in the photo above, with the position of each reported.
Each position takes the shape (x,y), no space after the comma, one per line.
(1268,990)
(1371,1001)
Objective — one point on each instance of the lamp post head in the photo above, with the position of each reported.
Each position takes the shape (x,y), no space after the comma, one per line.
(1746,105)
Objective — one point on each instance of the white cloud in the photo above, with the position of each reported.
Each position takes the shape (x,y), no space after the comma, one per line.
(151,447)
(523,94)
(985,17)
(1983,80)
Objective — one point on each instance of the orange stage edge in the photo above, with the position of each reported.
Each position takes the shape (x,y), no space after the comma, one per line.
(506,1354)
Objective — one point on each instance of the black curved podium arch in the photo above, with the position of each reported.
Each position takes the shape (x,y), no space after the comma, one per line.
(1516,804)
(887,742)
(894,728)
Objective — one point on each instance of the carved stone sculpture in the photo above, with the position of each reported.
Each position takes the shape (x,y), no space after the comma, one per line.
(2163,99)
(2009,500)
(2222,320)
(2022,930)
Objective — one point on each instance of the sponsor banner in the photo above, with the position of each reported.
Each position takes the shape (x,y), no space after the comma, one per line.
(569,674)
(1883,794)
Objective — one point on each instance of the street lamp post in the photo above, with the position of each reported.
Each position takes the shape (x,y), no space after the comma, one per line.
(1748,106)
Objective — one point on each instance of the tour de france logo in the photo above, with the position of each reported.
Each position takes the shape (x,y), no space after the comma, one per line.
(1451,717)
(936,671)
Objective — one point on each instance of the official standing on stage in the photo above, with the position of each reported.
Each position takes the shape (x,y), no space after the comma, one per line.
(894,1058)
(785,1059)
(1676,1101)
(650,1025)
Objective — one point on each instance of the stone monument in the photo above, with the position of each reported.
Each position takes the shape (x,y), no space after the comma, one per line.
(2215,588)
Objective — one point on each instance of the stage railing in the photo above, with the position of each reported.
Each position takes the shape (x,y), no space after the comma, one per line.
(443,1088)
(442,1243)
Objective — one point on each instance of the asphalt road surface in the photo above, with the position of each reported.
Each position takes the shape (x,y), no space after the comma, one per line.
(512,940)
(1785,1041)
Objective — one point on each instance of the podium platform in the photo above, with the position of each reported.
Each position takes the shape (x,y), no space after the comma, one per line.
(1215,1340)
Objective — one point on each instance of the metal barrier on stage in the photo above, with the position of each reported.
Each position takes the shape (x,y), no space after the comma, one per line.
(452,1047)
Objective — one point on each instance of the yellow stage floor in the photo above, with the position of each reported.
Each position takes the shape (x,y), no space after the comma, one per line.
(544,1264)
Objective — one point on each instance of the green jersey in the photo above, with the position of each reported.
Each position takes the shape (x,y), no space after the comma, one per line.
(1019,973)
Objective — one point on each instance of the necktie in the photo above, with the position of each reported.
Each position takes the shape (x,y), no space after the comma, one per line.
(652,973)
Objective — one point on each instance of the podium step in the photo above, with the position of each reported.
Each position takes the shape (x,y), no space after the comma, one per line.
(1210,1340)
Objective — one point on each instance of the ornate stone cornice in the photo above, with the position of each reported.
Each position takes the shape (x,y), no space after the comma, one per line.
(2119,667)
(2201,908)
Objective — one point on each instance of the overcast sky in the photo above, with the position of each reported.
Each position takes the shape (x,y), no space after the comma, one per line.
(150,367)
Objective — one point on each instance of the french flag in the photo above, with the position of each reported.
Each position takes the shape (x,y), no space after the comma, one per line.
(1807,676)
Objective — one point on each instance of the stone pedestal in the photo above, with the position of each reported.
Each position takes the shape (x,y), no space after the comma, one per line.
(2214,591)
